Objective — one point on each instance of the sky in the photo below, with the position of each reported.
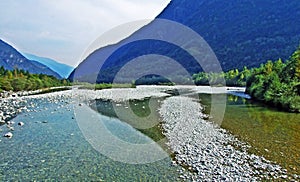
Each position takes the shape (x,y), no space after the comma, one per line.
(63,29)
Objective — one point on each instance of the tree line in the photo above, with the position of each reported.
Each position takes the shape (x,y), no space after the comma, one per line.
(20,80)
(275,83)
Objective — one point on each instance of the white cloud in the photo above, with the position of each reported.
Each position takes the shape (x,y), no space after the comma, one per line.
(62,29)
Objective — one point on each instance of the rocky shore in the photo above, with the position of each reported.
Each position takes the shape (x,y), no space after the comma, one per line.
(13,103)
(10,107)
(209,153)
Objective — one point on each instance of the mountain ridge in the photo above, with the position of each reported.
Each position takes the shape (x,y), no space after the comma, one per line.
(11,58)
(63,70)
(241,33)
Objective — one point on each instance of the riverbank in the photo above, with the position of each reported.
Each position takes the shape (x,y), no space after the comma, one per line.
(10,107)
(202,150)
(13,103)
(207,152)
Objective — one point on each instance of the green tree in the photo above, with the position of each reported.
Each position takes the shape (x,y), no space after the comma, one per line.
(9,75)
(5,84)
(18,84)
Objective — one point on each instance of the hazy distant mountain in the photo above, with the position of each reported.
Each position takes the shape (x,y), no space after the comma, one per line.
(10,58)
(62,69)
(241,33)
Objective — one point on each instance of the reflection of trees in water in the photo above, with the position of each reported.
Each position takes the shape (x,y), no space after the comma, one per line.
(273,134)
(140,114)
(233,99)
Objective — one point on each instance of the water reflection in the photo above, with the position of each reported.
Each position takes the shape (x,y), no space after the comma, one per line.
(141,114)
(271,133)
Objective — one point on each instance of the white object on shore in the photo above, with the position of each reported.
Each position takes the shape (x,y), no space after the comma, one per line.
(8,135)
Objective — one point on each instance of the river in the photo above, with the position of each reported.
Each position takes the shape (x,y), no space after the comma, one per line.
(51,145)
(271,133)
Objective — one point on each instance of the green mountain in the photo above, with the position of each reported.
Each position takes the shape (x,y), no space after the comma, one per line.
(241,33)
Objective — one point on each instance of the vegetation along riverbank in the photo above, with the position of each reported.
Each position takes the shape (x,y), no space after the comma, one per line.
(274,83)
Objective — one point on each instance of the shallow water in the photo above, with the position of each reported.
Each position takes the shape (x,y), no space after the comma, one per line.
(271,133)
(50,146)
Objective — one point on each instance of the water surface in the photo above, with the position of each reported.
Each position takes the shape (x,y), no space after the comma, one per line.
(271,133)
(50,146)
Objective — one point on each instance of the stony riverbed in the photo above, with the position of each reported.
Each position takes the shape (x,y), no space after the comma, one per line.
(206,152)
(201,149)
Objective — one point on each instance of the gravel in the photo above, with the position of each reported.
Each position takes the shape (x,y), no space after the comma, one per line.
(206,152)
(10,107)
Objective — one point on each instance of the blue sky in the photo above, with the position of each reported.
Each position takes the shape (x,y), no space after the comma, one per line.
(63,29)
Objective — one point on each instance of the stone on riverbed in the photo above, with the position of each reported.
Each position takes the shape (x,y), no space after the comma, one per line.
(8,135)
(2,122)
(10,122)
(206,152)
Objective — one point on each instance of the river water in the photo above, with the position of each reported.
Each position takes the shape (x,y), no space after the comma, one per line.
(51,145)
(272,133)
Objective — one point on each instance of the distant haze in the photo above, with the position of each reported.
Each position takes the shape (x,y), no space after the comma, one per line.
(63,29)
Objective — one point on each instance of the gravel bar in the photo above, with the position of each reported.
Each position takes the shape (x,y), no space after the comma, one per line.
(209,153)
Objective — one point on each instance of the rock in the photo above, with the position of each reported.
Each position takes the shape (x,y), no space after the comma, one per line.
(8,135)
(21,124)
(10,128)
(10,122)
(2,122)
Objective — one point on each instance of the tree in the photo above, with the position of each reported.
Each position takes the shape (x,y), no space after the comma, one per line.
(296,58)
(269,67)
(5,84)
(9,74)
(18,84)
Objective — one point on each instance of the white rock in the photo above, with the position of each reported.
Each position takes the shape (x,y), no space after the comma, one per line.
(8,135)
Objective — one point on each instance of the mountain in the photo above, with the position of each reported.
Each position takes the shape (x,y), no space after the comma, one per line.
(241,33)
(10,58)
(62,69)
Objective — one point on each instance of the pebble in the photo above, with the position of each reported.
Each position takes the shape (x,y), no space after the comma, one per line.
(205,150)
(8,135)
